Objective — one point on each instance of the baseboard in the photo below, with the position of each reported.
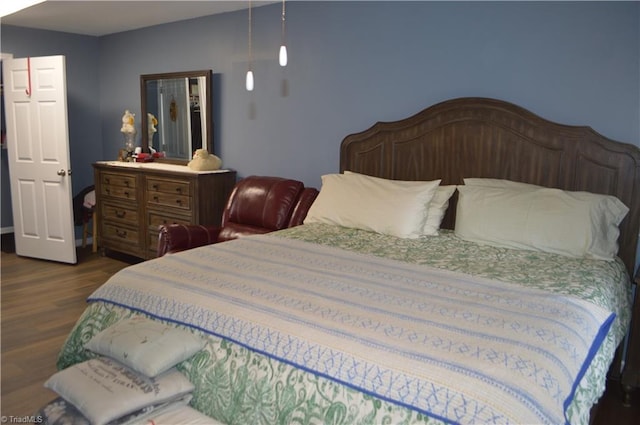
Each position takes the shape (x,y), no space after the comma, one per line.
(4,230)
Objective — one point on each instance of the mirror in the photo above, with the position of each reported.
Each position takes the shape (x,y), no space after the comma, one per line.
(181,104)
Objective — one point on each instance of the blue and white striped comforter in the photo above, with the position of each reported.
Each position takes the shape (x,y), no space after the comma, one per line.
(449,345)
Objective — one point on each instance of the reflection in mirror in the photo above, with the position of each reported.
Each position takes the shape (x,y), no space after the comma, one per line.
(181,104)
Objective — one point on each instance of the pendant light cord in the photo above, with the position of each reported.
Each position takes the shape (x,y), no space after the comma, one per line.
(249,78)
(250,35)
(284,14)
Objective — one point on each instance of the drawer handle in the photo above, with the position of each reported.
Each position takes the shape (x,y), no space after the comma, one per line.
(107,190)
(179,201)
(156,199)
(155,186)
(107,180)
(120,214)
(126,183)
(179,190)
(121,233)
(126,193)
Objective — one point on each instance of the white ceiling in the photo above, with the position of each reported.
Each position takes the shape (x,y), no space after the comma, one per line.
(97,18)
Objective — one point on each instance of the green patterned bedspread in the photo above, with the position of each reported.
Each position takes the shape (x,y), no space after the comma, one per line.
(238,386)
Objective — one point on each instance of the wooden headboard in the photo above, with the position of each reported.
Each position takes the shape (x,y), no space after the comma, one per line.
(479,137)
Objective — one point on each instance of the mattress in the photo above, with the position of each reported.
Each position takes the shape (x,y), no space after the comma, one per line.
(254,371)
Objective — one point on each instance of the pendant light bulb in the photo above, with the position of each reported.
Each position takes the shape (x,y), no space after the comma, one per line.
(249,81)
(283,55)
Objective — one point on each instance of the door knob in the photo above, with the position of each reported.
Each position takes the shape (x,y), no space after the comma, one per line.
(62,173)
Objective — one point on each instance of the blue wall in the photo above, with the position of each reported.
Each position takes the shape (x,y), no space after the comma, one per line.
(352,64)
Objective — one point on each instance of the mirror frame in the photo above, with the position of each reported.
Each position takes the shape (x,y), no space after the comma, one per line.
(207,73)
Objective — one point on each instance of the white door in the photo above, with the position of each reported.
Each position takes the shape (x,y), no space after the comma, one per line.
(35,96)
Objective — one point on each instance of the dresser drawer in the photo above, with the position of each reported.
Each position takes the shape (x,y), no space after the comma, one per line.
(122,180)
(121,233)
(175,187)
(156,220)
(182,202)
(152,244)
(116,213)
(119,192)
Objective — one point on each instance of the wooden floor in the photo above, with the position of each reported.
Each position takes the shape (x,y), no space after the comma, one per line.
(41,301)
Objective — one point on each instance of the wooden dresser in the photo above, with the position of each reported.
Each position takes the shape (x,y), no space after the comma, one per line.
(134,199)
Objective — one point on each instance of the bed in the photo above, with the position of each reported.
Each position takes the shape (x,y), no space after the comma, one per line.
(331,322)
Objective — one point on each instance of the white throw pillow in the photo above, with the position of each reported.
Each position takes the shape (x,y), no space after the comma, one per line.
(104,390)
(575,224)
(145,345)
(179,415)
(62,412)
(384,206)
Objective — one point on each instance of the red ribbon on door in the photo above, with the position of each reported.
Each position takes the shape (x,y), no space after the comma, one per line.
(28,90)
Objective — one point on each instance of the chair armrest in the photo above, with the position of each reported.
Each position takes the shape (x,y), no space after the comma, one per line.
(307,196)
(178,237)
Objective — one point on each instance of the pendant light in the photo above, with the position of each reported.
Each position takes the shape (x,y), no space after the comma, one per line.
(249,79)
(282,57)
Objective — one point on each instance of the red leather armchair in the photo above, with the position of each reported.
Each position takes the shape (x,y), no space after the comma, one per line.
(257,204)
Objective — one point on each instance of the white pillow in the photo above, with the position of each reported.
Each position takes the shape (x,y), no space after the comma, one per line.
(436,207)
(104,390)
(500,183)
(575,224)
(370,203)
(144,345)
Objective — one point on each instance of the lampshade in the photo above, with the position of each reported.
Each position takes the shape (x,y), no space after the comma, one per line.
(282,58)
(249,80)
